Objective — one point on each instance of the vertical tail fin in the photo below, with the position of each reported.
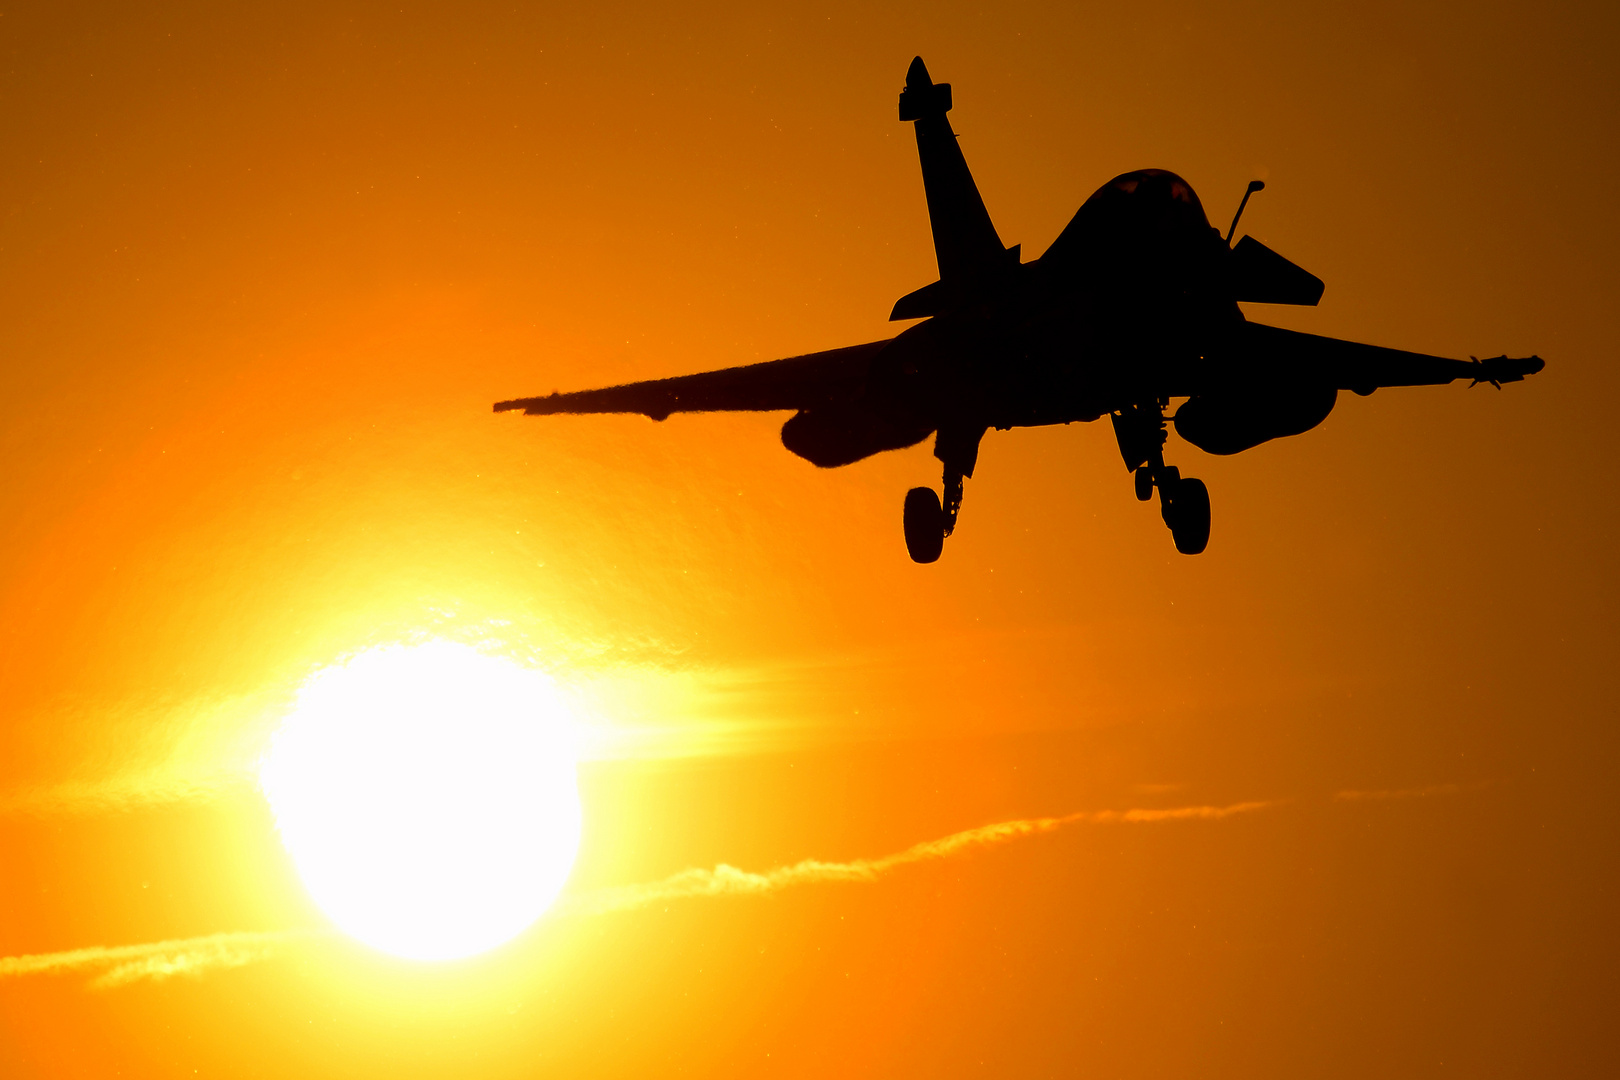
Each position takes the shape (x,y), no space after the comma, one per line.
(965,242)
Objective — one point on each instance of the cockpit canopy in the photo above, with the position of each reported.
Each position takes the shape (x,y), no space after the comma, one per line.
(1143,216)
(1146,187)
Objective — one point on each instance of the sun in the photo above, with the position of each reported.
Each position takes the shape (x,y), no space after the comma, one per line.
(427,795)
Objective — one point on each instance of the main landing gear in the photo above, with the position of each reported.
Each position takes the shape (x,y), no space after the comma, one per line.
(929,521)
(925,525)
(1183,501)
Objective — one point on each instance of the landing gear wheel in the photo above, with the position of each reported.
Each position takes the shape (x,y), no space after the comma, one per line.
(1187,514)
(1144,484)
(925,525)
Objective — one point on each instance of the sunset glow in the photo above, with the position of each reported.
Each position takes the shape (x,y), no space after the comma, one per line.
(428,798)
(351,729)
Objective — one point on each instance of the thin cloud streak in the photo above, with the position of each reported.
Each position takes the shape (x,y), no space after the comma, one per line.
(121,965)
(724,880)
(157,788)
(157,960)
(1403,793)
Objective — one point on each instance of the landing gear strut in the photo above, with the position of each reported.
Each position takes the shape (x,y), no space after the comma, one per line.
(928,520)
(1183,501)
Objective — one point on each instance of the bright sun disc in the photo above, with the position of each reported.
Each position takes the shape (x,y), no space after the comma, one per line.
(427,795)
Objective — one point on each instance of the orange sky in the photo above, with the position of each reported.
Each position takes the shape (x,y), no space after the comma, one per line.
(263,271)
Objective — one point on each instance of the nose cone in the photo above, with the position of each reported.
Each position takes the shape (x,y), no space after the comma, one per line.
(917,74)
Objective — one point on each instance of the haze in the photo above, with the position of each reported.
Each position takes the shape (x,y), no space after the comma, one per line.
(1334,798)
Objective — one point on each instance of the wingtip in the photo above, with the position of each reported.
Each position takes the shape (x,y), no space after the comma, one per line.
(527,404)
(1497,370)
(1519,368)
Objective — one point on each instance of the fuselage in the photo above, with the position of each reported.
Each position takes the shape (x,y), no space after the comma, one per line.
(1126,305)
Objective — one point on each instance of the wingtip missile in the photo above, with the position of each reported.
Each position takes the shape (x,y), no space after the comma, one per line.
(1497,370)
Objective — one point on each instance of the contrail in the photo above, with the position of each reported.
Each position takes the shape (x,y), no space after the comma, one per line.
(726,880)
(157,959)
(124,964)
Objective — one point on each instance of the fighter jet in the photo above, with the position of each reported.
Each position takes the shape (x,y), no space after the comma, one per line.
(1133,307)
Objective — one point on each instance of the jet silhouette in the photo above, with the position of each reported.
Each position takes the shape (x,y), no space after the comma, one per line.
(1134,305)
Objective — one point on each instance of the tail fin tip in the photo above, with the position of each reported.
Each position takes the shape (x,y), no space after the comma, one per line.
(922,96)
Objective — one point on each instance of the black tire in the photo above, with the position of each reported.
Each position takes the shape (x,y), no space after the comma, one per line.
(925,525)
(1188,517)
(1144,484)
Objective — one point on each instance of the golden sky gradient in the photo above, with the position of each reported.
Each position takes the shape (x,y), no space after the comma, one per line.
(1335,798)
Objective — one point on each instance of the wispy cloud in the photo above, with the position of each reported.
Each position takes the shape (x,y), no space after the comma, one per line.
(121,756)
(1403,793)
(724,880)
(136,791)
(157,960)
(124,964)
